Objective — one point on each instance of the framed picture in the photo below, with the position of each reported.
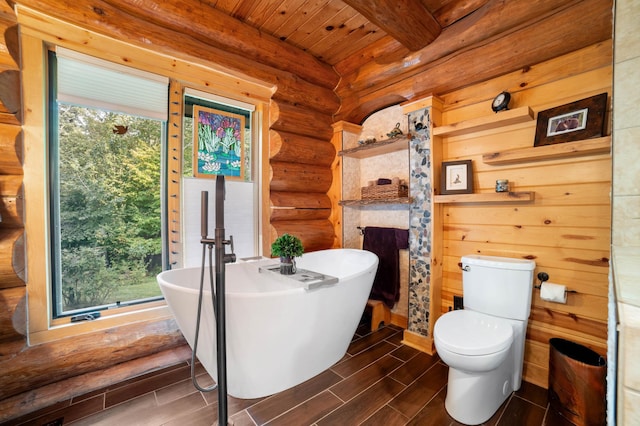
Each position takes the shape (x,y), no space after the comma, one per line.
(456,177)
(578,120)
(218,145)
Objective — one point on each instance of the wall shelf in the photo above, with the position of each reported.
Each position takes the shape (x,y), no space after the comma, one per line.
(379,202)
(500,119)
(550,152)
(489,197)
(377,148)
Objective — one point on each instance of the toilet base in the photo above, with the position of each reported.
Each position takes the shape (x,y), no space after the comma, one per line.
(472,398)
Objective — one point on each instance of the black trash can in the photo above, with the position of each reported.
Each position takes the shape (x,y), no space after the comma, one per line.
(577,383)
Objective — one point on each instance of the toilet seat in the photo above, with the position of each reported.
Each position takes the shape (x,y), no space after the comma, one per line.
(467,332)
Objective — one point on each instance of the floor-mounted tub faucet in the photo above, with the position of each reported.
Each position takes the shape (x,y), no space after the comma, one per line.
(217,295)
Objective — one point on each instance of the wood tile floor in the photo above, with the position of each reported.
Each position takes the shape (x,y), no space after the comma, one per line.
(378,382)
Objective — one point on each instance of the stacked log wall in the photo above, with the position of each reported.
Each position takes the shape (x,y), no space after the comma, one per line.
(299,121)
(13,319)
(300,161)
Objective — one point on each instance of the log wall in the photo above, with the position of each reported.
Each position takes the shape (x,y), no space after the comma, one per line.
(300,159)
(298,121)
(13,319)
(303,101)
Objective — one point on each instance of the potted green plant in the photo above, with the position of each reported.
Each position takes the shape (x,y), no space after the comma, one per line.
(287,247)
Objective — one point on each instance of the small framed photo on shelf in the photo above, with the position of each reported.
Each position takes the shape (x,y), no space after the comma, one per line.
(456,177)
(583,119)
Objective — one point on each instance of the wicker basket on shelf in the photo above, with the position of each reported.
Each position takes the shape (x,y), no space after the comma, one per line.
(380,190)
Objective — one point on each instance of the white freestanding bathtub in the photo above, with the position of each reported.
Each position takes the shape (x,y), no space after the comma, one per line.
(278,333)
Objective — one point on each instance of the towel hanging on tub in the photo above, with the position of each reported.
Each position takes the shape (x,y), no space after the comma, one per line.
(385,243)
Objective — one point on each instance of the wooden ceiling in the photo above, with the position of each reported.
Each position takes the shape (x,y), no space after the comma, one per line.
(334,30)
(350,58)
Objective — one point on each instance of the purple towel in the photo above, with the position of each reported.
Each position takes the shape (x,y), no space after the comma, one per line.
(385,243)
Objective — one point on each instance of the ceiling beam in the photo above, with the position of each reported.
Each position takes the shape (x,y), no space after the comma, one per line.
(407,21)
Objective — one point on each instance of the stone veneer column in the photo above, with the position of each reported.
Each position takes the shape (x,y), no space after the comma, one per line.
(425,224)
(420,221)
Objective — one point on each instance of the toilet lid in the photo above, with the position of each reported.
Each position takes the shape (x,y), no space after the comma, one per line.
(472,333)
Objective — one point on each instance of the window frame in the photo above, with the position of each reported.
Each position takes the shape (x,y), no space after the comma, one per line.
(36,39)
(53,160)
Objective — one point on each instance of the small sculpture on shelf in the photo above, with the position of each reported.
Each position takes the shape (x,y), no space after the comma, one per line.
(395,132)
(367,141)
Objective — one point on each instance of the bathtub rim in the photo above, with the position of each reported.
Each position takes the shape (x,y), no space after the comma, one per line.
(267,261)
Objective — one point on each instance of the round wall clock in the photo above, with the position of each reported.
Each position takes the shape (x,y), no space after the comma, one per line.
(501,102)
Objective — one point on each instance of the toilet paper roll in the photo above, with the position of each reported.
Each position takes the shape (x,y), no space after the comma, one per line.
(553,292)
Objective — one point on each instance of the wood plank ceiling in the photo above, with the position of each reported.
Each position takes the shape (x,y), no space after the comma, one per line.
(334,30)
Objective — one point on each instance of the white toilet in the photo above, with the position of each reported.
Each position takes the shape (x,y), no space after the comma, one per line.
(483,344)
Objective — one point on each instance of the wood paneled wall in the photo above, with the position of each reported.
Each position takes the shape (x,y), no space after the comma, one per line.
(566,230)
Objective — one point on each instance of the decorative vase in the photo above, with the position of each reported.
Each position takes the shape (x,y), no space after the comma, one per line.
(287,265)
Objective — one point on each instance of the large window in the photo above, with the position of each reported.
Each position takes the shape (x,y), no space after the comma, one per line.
(107,156)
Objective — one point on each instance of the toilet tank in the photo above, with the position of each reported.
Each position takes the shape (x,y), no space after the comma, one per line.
(499,286)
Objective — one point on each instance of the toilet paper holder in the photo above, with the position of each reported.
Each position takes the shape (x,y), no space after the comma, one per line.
(543,276)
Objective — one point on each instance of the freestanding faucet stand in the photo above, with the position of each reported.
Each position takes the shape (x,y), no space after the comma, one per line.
(218,297)
(221,260)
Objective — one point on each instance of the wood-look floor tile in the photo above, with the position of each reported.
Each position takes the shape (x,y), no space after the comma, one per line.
(275,405)
(205,416)
(148,375)
(405,353)
(419,393)
(241,419)
(381,382)
(309,411)
(153,415)
(235,405)
(362,359)
(414,368)
(433,413)
(84,408)
(533,393)
(364,405)
(73,412)
(370,339)
(180,389)
(386,416)
(356,383)
(211,397)
(126,413)
(88,395)
(521,413)
(397,338)
(169,411)
(148,384)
